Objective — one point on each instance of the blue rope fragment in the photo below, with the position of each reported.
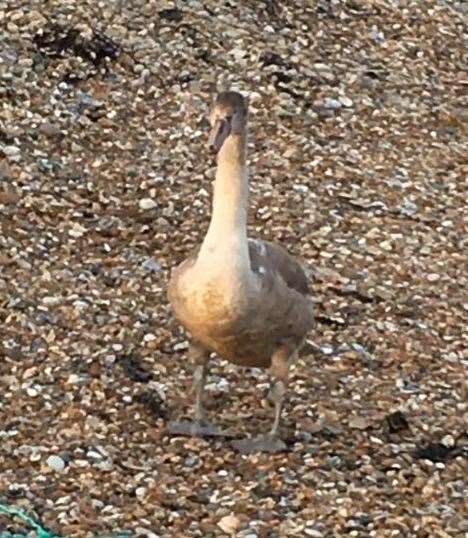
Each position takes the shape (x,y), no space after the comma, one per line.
(40,531)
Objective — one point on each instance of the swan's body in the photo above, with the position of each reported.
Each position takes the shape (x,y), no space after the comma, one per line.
(243,317)
(245,299)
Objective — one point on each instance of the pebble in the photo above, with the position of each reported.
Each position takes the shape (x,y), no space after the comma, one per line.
(35,456)
(92,454)
(313,532)
(49,129)
(238,53)
(358,423)
(346,102)
(386,245)
(147,203)
(56,463)
(151,265)
(229,524)
(141,491)
(377,36)
(143,531)
(222,385)
(448,441)
(77,230)
(332,104)
(73,379)
(11,152)
(30,372)
(407,208)
(104,465)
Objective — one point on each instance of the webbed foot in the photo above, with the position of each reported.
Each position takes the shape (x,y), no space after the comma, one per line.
(196,428)
(263,443)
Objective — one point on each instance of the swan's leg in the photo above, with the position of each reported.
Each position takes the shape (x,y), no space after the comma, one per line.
(271,442)
(199,427)
(199,380)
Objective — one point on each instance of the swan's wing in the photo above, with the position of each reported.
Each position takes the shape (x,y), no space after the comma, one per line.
(272,258)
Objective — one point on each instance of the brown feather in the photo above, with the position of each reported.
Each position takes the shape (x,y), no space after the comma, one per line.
(280,312)
(279,260)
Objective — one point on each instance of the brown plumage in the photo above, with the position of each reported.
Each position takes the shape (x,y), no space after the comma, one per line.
(247,300)
(248,336)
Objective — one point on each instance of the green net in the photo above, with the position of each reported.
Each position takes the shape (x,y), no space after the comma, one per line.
(40,531)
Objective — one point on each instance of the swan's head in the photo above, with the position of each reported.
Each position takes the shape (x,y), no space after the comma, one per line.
(228,116)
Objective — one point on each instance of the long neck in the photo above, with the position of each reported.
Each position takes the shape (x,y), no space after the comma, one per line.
(228,225)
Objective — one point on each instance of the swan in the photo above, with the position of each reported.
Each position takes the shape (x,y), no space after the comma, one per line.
(245,299)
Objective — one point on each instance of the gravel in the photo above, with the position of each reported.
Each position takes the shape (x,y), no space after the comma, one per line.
(358,166)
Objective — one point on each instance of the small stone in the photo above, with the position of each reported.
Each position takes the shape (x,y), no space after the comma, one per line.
(147,203)
(32,392)
(229,524)
(45,165)
(49,129)
(386,245)
(313,532)
(35,456)
(56,463)
(77,230)
(346,102)
(407,208)
(332,104)
(73,379)
(11,152)
(141,491)
(358,423)
(143,531)
(151,265)
(92,454)
(448,441)
(377,36)
(238,53)
(104,465)
(50,300)
(30,372)
(433,277)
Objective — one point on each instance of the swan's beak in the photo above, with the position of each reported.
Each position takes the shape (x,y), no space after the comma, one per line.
(220,131)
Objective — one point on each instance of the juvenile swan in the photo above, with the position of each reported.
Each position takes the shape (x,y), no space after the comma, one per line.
(245,299)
